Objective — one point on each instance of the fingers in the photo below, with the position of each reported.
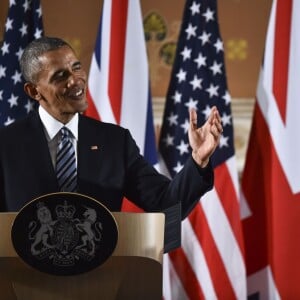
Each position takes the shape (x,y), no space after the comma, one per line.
(214,120)
(216,123)
(215,132)
(193,119)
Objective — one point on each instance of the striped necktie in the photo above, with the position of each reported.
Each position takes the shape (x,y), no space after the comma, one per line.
(66,171)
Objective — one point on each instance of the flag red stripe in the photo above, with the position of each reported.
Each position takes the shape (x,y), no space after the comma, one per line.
(214,261)
(186,274)
(224,187)
(91,110)
(128,206)
(281,54)
(116,62)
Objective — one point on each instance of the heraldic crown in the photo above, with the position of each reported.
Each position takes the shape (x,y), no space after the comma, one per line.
(65,211)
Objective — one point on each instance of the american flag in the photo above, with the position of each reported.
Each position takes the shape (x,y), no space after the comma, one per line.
(210,264)
(118,83)
(23,24)
(271,177)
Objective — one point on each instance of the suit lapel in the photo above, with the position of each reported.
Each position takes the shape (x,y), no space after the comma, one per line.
(90,156)
(41,159)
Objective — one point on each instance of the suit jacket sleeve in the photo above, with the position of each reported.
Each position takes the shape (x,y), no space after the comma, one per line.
(155,192)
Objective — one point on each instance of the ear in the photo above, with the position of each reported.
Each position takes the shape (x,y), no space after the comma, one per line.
(31,90)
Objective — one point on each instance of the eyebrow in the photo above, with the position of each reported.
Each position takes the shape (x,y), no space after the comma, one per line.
(76,64)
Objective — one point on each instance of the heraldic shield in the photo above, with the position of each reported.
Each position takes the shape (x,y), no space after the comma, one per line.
(64,233)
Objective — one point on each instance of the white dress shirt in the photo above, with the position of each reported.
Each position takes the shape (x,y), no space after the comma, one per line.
(52,129)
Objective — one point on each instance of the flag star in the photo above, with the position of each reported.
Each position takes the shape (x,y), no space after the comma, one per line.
(185,126)
(39,11)
(2,71)
(4,48)
(204,37)
(13,100)
(38,33)
(216,68)
(173,119)
(209,15)
(169,140)
(181,75)
(29,106)
(20,28)
(223,141)
(196,83)
(177,97)
(16,77)
(19,53)
(23,29)
(186,53)
(213,90)
(191,31)
(183,147)
(8,24)
(191,104)
(9,121)
(195,8)
(178,167)
(226,119)
(206,112)
(219,45)
(227,98)
(26,5)
(200,60)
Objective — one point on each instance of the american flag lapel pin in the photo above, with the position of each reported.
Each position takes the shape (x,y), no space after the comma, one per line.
(94,147)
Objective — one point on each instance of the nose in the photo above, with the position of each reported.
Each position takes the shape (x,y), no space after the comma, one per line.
(75,76)
(71,80)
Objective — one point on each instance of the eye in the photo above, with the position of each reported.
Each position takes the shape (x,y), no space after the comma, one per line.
(60,75)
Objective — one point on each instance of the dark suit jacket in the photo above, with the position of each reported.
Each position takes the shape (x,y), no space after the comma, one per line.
(114,170)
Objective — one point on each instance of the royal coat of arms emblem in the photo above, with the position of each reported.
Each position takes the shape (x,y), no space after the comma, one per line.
(64,233)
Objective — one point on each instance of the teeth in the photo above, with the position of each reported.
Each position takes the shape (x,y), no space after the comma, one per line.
(79,93)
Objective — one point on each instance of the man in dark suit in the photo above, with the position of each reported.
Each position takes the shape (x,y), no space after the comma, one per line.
(109,165)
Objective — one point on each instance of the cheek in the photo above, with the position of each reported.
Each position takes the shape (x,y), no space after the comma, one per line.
(82,75)
(47,92)
(55,100)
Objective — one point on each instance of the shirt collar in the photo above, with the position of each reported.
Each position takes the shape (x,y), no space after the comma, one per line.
(52,126)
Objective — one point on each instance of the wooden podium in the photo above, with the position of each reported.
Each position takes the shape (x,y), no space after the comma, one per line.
(134,271)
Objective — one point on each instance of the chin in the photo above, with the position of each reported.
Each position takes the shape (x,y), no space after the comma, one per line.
(80,108)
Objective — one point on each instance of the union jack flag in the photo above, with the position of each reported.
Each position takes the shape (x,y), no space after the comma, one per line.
(118,83)
(271,177)
(119,86)
(23,24)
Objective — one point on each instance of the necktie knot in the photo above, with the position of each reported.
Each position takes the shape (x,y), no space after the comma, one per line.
(65,133)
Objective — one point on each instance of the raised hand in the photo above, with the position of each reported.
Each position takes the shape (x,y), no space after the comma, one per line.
(205,139)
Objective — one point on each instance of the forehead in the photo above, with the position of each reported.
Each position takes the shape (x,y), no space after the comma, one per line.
(58,58)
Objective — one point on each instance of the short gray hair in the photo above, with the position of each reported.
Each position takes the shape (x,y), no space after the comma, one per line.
(29,62)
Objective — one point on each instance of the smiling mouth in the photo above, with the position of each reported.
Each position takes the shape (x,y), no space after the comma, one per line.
(79,93)
(76,94)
